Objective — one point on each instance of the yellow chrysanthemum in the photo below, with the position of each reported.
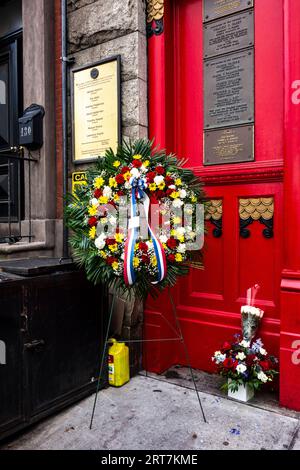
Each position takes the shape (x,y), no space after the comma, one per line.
(116,197)
(135,262)
(176,220)
(161,185)
(173,232)
(178,182)
(136,246)
(153,261)
(127,175)
(103,199)
(146,163)
(137,157)
(119,237)
(116,163)
(112,182)
(164,246)
(92,210)
(193,199)
(103,254)
(92,232)
(98,182)
(174,194)
(152,186)
(180,238)
(115,265)
(113,248)
(178,257)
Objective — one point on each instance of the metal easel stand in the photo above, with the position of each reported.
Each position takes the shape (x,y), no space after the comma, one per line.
(179,337)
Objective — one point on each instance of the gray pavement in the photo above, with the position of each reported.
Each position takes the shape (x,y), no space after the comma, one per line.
(154,413)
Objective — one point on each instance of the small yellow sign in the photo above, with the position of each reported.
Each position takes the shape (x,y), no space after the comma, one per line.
(78,179)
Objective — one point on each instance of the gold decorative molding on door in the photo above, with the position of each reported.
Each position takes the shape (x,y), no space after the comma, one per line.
(256,209)
(214,214)
(155,14)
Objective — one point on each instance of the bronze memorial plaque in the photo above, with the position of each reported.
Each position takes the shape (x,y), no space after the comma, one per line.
(232,145)
(229,90)
(96,109)
(229,34)
(213,9)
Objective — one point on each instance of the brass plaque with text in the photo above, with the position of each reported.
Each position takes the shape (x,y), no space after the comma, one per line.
(96,109)
(213,9)
(232,145)
(229,34)
(229,90)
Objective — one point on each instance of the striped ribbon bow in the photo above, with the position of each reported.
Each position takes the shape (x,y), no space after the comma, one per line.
(137,192)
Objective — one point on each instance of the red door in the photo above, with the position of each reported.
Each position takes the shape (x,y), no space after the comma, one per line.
(243,243)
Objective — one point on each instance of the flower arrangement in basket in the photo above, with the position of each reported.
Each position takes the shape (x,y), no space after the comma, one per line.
(134,223)
(245,362)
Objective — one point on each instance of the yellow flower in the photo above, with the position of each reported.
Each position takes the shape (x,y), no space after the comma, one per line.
(115,265)
(175,194)
(116,197)
(180,238)
(161,185)
(119,237)
(103,254)
(127,175)
(92,210)
(152,186)
(153,261)
(178,257)
(136,246)
(116,163)
(113,248)
(98,182)
(173,232)
(103,199)
(176,220)
(92,232)
(112,182)
(194,199)
(137,157)
(136,262)
(178,182)
(164,246)
(146,163)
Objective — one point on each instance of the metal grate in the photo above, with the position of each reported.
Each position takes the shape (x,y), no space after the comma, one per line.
(14,165)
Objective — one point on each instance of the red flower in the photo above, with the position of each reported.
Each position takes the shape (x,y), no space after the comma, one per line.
(160,194)
(160,170)
(92,221)
(150,176)
(250,360)
(169,191)
(171,258)
(125,169)
(264,365)
(120,193)
(137,163)
(110,241)
(230,363)
(120,179)
(98,193)
(145,259)
(110,260)
(226,346)
(169,180)
(172,243)
(143,246)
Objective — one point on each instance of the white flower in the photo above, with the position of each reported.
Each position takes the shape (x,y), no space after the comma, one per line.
(181,248)
(172,186)
(181,231)
(217,353)
(127,185)
(191,235)
(163,238)
(263,352)
(143,169)
(158,179)
(219,358)
(262,377)
(135,172)
(112,220)
(241,368)
(241,356)
(177,203)
(100,242)
(245,343)
(94,202)
(107,191)
(182,193)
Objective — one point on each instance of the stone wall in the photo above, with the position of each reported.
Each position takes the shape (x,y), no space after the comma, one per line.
(98,29)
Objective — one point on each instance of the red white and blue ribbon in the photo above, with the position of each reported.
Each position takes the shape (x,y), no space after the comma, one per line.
(137,192)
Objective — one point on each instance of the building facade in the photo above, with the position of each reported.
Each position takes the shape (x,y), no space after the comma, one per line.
(173,60)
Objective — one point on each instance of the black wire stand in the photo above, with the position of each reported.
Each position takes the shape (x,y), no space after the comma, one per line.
(178,337)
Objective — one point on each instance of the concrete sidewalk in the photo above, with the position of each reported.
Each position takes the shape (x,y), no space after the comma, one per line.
(148,413)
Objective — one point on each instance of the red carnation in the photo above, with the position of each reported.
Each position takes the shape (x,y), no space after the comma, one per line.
(125,169)
(172,243)
(120,193)
(169,191)
(160,194)
(98,193)
(171,258)
(145,259)
(250,360)
(137,163)
(169,180)
(150,176)
(120,179)
(160,170)
(230,363)
(92,221)
(143,246)
(226,346)
(110,260)
(264,365)
(110,241)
